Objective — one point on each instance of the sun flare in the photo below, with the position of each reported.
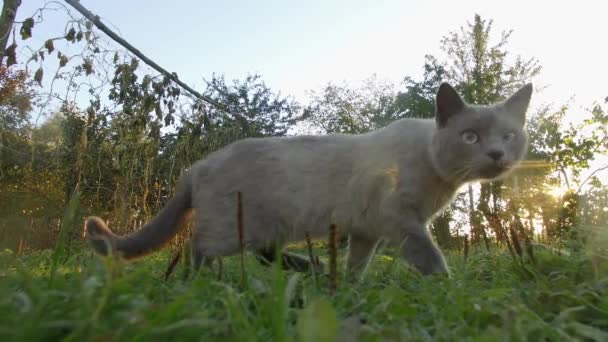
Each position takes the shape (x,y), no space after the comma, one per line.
(557,191)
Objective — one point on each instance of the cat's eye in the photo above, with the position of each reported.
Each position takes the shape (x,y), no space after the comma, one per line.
(509,136)
(469,137)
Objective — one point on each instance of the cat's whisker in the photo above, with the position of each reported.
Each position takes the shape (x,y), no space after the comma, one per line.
(461,173)
(532,164)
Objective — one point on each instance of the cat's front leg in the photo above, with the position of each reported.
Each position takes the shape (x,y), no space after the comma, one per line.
(418,249)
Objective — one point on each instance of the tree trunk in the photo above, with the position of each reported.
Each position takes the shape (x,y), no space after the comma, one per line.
(441,229)
(7,18)
(473,220)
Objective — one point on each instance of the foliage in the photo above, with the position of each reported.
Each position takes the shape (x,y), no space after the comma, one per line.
(481,68)
(105,123)
(418,99)
(110,125)
(15,100)
(345,109)
(87,129)
(491,296)
(262,113)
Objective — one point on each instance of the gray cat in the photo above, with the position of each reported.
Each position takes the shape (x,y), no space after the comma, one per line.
(387,184)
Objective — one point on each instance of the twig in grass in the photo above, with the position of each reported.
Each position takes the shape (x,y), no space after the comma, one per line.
(187,259)
(516,243)
(239,216)
(466,246)
(333,258)
(313,262)
(172,263)
(529,248)
(20,247)
(485,237)
(509,246)
(220,268)
(527,242)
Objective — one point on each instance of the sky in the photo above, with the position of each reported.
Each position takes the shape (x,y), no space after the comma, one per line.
(298,46)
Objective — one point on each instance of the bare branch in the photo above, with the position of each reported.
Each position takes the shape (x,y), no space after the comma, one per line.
(580,187)
(172,76)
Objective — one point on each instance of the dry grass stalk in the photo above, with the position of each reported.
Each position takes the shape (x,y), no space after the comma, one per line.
(466,246)
(529,248)
(515,240)
(172,263)
(220,268)
(485,237)
(333,258)
(20,246)
(187,258)
(509,246)
(239,216)
(313,261)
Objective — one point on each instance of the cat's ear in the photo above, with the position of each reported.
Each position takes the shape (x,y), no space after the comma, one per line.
(447,104)
(517,104)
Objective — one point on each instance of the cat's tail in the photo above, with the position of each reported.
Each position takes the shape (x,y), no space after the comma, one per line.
(151,237)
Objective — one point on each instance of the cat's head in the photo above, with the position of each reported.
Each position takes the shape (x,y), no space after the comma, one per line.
(478,142)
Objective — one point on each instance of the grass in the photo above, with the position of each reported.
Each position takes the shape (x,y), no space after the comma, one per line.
(490,297)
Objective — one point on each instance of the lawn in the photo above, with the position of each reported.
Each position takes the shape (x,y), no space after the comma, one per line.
(48,296)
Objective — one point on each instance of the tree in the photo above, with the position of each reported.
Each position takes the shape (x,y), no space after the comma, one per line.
(262,113)
(567,152)
(346,109)
(15,100)
(418,99)
(15,104)
(481,70)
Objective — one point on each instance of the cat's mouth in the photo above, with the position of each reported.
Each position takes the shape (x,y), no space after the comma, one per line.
(496,169)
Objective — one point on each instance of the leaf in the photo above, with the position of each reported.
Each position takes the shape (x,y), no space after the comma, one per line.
(79,36)
(38,76)
(71,35)
(49,46)
(11,54)
(168,119)
(588,331)
(145,82)
(134,64)
(88,67)
(26,28)
(158,111)
(148,104)
(318,322)
(63,60)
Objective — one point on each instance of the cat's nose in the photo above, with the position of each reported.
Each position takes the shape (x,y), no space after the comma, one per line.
(496,154)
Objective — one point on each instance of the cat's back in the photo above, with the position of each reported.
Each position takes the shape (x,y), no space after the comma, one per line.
(402,139)
(275,158)
(414,128)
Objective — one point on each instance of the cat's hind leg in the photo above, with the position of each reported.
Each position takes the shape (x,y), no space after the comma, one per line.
(360,252)
(289,261)
(197,260)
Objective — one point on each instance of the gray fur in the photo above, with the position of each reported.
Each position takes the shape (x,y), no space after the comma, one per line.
(387,184)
